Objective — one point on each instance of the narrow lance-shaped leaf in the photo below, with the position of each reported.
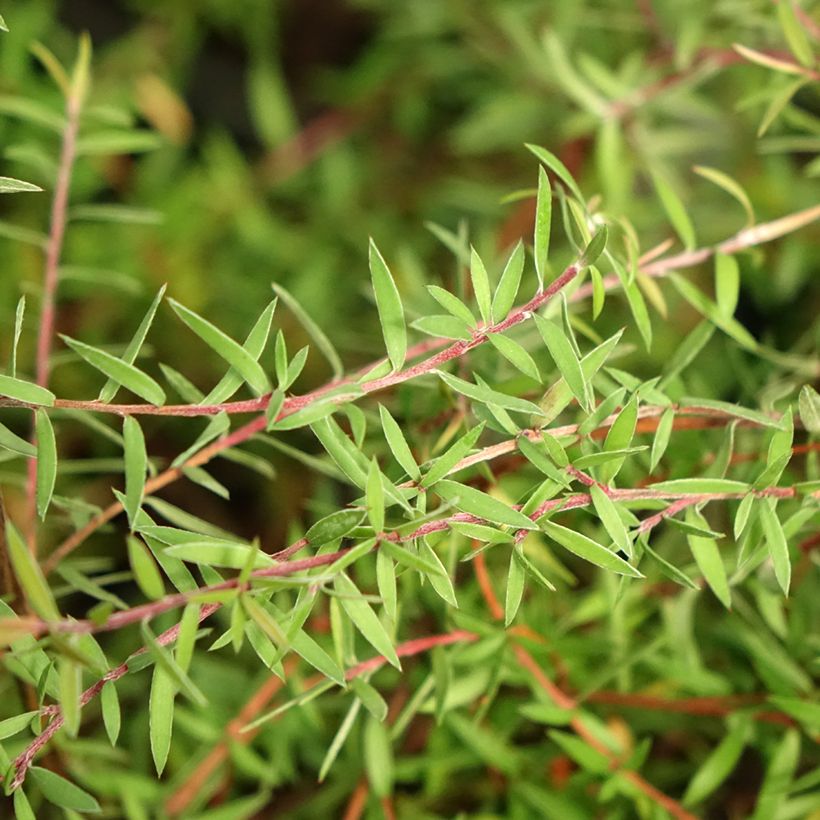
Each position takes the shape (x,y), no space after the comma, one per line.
(795,33)
(375,497)
(364,619)
(145,570)
(709,561)
(809,408)
(727,283)
(62,792)
(487,395)
(661,439)
(452,304)
(233,353)
(398,444)
(565,359)
(136,464)
(130,355)
(339,738)
(776,542)
(19,314)
(160,716)
(111,712)
(14,443)
(483,505)
(516,578)
(719,764)
(588,549)
(125,374)
(608,513)
(391,312)
(46,462)
(543,222)
(620,437)
(70,684)
(445,462)
(25,391)
(9,185)
(558,168)
(515,354)
(378,757)
(507,288)
(481,286)
(675,210)
(733,188)
(31,578)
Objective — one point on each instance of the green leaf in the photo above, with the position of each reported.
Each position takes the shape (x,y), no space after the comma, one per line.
(515,354)
(212,554)
(125,374)
(305,416)
(723,180)
(233,353)
(543,222)
(30,575)
(734,410)
(809,408)
(507,288)
(19,313)
(136,464)
(386,583)
(11,441)
(487,395)
(109,389)
(718,765)
(339,738)
(727,283)
(478,503)
(481,286)
(216,427)
(565,360)
(595,248)
(179,680)
(62,792)
(516,579)
(112,716)
(375,497)
(779,773)
(26,391)
(444,327)
(145,569)
(313,330)
(706,486)
(438,577)
(619,437)
(776,542)
(11,726)
(398,444)
(46,461)
(118,142)
(669,570)
(378,757)
(452,304)
(707,556)
(661,439)
(391,313)
(115,212)
(588,549)
(445,462)
(675,210)
(8,185)
(581,752)
(70,685)
(610,518)
(334,526)
(558,168)
(370,698)
(161,716)
(364,619)
(795,33)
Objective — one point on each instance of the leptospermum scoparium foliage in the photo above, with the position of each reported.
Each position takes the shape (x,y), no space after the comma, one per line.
(504,482)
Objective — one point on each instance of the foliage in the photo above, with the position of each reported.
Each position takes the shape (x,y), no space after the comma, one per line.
(553,552)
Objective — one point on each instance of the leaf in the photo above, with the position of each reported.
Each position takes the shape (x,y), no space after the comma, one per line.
(481,286)
(11,726)
(731,187)
(565,360)
(727,283)
(595,248)
(398,444)
(70,686)
(62,792)
(212,554)
(558,168)
(707,557)
(661,439)
(701,486)
(516,578)
(809,408)
(452,304)
(487,395)
(391,313)
(136,464)
(125,374)
(233,353)
(588,549)
(378,757)
(776,542)
(305,416)
(145,569)
(370,698)
(216,427)
(26,391)
(438,577)
(179,680)
(30,575)
(334,526)
(375,497)
(795,33)
(339,738)
(779,773)
(448,460)
(734,410)
(8,185)
(478,503)
(111,713)
(132,141)
(160,716)
(675,210)
(46,461)
(364,619)
(718,765)
(515,354)
(313,330)
(619,437)
(109,389)
(507,288)
(115,212)
(581,752)
(11,441)
(342,450)
(543,222)
(610,518)
(444,327)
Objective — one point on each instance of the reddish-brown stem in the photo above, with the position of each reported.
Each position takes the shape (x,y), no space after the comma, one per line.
(48,306)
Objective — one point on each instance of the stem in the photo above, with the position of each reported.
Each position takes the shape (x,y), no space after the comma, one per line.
(51,275)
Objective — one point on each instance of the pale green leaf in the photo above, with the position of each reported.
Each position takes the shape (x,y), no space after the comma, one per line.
(391,313)
(588,549)
(136,464)
(46,461)
(25,391)
(507,288)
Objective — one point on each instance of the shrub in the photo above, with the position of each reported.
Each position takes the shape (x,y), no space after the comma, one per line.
(543,568)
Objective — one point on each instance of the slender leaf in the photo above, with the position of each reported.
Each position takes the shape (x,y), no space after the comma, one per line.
(478,503)
(588,549)
(46,462)
(26,391)
(391,313)
(507,288)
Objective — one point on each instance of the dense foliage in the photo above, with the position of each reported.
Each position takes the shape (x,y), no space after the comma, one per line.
(511,512)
